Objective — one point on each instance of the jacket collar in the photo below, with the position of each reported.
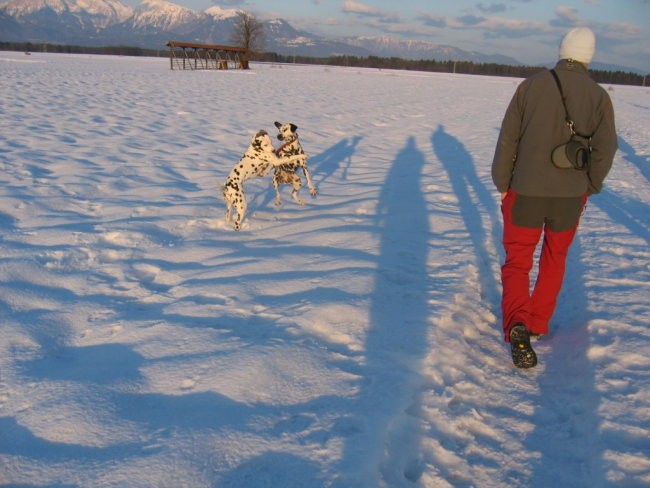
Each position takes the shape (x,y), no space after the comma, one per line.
(570,65)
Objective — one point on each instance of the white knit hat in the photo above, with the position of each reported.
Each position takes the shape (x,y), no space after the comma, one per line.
(578,44)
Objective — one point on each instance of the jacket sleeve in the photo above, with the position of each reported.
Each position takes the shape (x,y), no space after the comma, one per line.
(604,144)
(505,154)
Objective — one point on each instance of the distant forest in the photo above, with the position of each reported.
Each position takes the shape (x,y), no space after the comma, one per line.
(431,65)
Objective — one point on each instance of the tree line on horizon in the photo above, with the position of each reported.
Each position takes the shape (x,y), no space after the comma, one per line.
(377,62)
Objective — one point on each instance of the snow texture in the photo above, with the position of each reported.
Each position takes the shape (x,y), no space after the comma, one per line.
(351,343)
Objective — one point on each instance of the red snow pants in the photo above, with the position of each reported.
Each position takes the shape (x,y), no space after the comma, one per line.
(518,304)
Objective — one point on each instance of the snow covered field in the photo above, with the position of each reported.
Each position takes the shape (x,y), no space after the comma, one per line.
(351,343)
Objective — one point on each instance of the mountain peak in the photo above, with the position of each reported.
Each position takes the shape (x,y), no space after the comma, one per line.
(159,4)
(222,13)
(163,15)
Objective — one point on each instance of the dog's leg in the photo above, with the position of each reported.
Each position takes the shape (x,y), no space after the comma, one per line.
(241,206)
(228,201)
(310,185)
(276,186)
(296,182)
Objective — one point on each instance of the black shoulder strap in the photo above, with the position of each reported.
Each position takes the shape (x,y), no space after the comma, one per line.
(569,120)
(566,110)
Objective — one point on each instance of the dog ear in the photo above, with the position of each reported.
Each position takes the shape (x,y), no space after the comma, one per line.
(277,124)
(294,127)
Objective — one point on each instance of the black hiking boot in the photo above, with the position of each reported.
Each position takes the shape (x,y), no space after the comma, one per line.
(522,353)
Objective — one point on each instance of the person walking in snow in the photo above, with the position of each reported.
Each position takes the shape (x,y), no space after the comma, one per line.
(540,199)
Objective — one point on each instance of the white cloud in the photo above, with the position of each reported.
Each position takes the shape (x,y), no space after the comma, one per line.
(363,10)
(566,17)
(352,7)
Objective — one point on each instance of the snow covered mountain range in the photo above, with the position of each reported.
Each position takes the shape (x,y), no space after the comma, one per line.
(154,22)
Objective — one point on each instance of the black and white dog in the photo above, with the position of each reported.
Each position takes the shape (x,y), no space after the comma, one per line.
(286,173)
(258,160)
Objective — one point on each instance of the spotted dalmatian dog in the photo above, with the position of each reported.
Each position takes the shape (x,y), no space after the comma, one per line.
(287,173)
(258,160)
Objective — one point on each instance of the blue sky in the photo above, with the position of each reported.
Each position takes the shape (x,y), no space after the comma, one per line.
(527,30)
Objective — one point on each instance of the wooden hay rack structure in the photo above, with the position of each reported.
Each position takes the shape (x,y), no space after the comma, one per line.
(193,56)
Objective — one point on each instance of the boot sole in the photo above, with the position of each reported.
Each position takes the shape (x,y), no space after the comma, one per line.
(523,355)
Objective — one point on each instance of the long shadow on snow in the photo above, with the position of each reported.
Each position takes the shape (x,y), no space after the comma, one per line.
(638,160)
(629,212)
(339,156)
(472,196)
(567,423)
(397,338)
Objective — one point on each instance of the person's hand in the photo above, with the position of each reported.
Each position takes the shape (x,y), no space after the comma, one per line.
(503,195)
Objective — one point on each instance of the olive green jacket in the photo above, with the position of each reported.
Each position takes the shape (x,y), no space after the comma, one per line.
(534,124)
